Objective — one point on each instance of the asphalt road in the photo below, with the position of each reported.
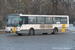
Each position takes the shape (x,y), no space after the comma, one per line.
(60,41)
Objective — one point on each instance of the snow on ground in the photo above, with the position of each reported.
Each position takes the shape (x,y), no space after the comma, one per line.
(71,27)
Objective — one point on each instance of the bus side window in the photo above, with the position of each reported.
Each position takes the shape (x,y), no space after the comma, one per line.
(63,20)
(57,20)
(41,20)
(32,20)
(24,20)
(48,20)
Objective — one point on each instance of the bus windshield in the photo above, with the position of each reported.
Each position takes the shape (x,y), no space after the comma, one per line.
(12,20)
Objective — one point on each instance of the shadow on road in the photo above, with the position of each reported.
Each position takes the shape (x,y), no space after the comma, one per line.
(15,35)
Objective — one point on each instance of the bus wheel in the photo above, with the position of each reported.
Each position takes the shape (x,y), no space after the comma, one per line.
(31,32)
(55,30)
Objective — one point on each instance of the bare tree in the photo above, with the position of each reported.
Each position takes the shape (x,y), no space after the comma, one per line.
(26,2)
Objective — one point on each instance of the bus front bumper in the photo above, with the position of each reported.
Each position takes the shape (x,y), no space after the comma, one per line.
(10,31)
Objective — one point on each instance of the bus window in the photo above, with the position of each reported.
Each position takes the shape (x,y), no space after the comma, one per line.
(56,20)
(48,20)
(13,20)
(63,20)
(24,20)
(41,20)
(32,20)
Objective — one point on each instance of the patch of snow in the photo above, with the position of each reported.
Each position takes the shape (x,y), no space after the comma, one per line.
(71,27)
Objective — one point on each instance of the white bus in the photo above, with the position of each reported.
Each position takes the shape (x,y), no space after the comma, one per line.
(34,24)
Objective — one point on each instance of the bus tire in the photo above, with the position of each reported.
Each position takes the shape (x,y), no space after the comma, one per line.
(31,32)
(55,30)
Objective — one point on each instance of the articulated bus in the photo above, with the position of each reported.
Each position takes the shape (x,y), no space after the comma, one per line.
(36,24)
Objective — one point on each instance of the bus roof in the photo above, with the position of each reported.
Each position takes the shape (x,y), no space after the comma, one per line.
(45,15)
(41,15)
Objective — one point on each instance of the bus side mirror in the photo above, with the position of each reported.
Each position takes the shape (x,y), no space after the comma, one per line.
(7,19)
(20,22)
